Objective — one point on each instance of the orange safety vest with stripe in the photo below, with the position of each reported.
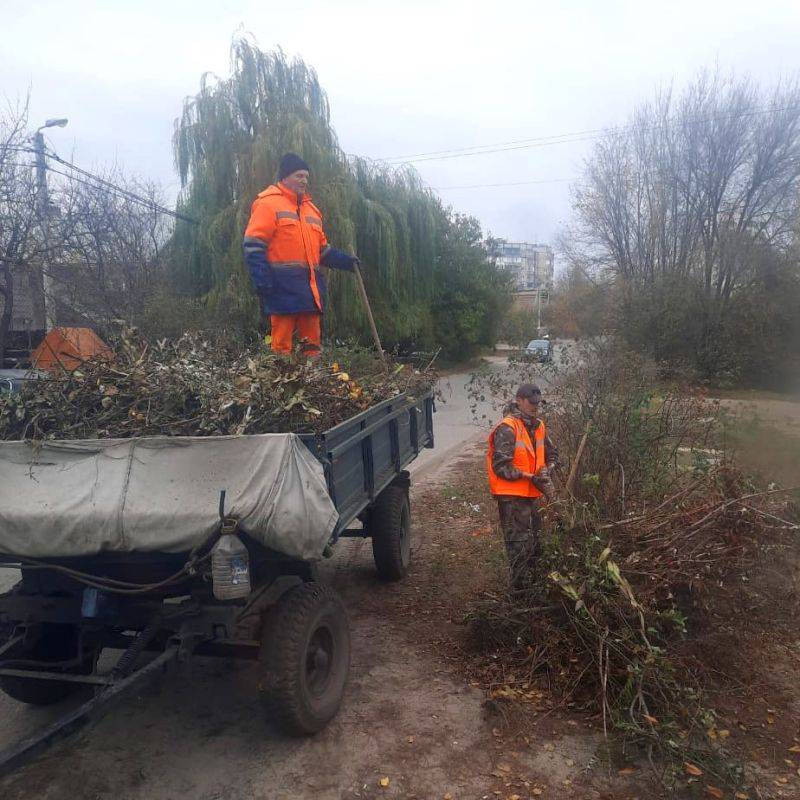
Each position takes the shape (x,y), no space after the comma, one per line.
(295,243)
(528,457)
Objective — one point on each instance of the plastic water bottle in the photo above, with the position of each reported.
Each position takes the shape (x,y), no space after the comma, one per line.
(230,568)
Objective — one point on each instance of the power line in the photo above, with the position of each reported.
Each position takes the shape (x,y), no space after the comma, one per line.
(480,150)
(126,195)
(151,204)
(564,138)
(494,185)
(496,150)
(544,139)
(103,184)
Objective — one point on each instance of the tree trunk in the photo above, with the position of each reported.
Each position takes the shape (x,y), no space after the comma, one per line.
(7,293)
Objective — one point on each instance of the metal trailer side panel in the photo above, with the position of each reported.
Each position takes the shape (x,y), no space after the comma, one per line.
(364,454)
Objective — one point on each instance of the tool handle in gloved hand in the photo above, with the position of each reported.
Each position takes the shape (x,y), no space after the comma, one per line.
(542,481)
(363,292)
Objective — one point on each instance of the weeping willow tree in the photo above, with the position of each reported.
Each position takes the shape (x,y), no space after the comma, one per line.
(228,142)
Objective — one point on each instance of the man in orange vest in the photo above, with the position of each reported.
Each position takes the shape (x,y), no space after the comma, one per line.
(285,248)
(518,461)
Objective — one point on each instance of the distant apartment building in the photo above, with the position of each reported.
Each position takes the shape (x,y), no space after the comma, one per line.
(530,264)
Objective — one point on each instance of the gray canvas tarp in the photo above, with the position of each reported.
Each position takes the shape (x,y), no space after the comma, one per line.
(160,494)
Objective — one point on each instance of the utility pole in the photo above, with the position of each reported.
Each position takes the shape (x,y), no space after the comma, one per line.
(538,310)
(48,302)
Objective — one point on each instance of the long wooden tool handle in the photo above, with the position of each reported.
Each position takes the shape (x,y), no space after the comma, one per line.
(377,339)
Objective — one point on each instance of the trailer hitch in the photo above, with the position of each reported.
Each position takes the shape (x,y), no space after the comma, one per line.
(17,754)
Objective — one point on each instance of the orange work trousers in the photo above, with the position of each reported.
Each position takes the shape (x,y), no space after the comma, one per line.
(307,326)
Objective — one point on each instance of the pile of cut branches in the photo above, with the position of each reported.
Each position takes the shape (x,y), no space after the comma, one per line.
(197,386)
(658,532)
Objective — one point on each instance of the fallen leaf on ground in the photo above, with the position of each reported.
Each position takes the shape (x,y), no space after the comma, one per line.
(691,769)
(537,791)
(410,740)
(741,796)
(795,748)
(448,796)
(651,720)
(627,771)
(504,768)
(714,792)
(384,782)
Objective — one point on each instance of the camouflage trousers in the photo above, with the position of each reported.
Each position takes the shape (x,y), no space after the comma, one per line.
(521,524)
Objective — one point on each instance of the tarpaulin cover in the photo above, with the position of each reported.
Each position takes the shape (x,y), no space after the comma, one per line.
(160,494)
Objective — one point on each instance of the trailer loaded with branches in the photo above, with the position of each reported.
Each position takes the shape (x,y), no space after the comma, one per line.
(161,547)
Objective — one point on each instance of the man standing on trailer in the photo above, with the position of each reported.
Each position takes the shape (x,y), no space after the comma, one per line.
(285,247)
(518,461)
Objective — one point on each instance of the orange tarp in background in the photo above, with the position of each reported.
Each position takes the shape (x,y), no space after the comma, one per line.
(68,348)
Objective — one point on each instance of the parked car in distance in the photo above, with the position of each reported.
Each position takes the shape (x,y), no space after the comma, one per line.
(539,350)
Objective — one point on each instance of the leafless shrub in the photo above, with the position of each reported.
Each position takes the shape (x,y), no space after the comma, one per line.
(657,524)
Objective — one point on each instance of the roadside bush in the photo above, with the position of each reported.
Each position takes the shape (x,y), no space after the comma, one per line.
(753,339)
(517,327)
(653,525)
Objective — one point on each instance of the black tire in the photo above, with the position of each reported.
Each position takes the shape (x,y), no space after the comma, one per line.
(305,656)
(56,643)
(390,529)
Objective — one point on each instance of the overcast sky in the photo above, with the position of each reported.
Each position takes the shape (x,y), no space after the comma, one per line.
(403,78)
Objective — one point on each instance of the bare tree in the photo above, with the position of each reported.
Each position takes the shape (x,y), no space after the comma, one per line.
(105,244)
(699,192)
(20,240)
(113,251)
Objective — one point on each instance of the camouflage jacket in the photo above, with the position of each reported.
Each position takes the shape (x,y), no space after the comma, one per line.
(505,441)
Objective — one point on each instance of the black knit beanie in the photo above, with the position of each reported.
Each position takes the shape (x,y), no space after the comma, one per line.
(290,163)
(530,391)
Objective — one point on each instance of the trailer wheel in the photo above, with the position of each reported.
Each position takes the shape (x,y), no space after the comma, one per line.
(390,529)
(56,643)
(305,658)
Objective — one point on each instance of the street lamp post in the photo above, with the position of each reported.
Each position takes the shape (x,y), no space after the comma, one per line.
(46,282)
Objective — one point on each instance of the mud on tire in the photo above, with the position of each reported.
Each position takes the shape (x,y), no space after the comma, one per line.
(390,529)
(305,659)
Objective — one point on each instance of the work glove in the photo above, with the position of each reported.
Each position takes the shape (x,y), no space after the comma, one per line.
(544,483)
(337,259)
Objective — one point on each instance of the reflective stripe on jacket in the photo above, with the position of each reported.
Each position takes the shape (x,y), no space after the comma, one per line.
(528,457)
(284,244)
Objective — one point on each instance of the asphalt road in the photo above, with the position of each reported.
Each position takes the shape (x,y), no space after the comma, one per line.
(454,422)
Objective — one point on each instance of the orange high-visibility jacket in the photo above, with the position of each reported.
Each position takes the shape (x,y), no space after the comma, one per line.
(528,457)
(290,234)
